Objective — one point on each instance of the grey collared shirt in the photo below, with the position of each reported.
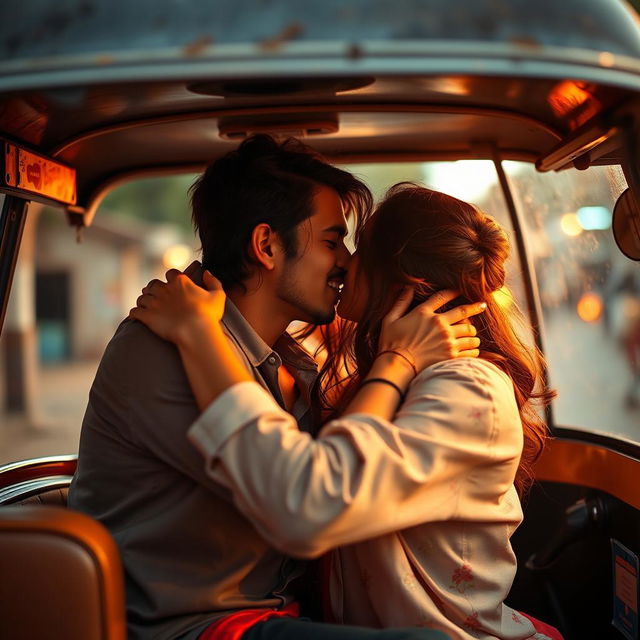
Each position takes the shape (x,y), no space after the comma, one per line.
(189,555)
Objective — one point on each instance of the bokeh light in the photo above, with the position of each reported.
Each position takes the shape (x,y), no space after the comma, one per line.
(589,307)
(594,218)
(570,224)
(177,257)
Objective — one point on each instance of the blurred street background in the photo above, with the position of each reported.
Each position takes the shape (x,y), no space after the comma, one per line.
(68,298)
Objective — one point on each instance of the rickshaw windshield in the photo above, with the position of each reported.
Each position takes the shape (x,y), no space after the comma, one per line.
(589,292)
(588,295)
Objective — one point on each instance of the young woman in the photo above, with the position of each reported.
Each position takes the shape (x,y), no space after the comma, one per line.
(419,500)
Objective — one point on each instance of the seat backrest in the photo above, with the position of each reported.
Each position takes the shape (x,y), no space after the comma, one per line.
(51,497)
(61,576)
(37,481)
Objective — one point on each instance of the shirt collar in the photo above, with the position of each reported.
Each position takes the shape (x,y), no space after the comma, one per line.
(291,352)
(254,347)
(257,350)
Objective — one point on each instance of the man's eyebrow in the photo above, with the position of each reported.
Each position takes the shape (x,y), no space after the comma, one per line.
(340,229)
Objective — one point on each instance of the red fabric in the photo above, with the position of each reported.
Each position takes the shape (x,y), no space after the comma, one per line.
(233,626)
(543,627)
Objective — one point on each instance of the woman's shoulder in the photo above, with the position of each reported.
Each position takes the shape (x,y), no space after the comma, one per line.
(476,376)
(466,368)
(468,398)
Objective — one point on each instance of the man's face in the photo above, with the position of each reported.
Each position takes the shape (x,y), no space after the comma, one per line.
(310,282)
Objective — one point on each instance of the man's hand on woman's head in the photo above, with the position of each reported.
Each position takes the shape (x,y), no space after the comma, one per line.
(172,309)
(424,336)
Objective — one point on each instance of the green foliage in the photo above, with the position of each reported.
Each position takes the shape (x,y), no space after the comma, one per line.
(161,199)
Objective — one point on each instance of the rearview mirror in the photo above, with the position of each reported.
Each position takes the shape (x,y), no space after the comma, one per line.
(626,225)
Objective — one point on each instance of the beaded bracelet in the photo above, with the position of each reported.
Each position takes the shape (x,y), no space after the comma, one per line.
(385,381)
(403,356)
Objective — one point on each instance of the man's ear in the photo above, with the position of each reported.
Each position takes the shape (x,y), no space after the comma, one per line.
(264,246)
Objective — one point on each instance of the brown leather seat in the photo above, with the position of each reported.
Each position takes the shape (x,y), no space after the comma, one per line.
(60,576)
(51,498)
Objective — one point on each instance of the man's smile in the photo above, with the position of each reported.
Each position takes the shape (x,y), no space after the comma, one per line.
(336,282)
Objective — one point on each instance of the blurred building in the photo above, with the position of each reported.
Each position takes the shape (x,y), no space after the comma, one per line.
(69,296)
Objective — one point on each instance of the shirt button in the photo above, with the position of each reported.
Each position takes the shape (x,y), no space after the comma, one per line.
(271,360)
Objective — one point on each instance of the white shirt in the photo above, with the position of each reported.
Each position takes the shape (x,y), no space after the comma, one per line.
(422,508)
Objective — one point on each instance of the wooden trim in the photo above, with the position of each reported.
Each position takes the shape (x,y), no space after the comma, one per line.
(571,462)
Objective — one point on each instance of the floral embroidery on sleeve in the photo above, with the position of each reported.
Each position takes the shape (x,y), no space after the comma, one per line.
(516,618)
(472,622)
(462,579)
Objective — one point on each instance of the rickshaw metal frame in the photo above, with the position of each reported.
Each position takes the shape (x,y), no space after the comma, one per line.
(579,459)
(614,63)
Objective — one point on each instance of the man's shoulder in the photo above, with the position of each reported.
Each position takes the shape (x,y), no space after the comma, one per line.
(135,352)
(139,375)
(134,337)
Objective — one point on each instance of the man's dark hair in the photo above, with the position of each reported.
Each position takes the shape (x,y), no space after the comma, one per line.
(263,181)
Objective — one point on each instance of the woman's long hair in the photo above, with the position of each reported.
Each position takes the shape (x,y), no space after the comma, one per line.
(433,241)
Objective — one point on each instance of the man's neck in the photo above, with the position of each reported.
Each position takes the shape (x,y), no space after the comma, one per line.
(260,312)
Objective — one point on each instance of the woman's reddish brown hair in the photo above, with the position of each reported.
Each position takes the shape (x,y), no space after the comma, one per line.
(433,241)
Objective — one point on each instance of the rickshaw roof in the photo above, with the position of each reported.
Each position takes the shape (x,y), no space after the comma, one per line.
(173,28)
(115,88)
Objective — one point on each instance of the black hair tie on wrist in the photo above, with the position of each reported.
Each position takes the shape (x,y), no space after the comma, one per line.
(403,356)
(387,382)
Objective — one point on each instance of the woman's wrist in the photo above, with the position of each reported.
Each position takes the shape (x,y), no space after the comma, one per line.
(393,367)
(406,357)
(190,332)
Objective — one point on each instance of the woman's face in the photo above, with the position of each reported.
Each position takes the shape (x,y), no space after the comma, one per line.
(355,292)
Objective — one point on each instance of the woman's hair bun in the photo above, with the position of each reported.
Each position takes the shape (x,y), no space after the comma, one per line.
(491,245)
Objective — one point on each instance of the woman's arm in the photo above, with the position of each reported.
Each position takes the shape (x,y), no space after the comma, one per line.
(451,452)
(363,476)
(189,316)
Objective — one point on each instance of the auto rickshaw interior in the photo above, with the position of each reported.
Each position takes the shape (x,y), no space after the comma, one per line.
(547,108)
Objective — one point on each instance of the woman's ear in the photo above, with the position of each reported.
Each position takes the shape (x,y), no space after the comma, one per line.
(264,246)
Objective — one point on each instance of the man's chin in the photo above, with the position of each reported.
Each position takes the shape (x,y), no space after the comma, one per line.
(321,317)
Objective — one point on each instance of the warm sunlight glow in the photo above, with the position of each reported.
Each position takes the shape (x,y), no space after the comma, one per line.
(589,307)
(177,257)
(570,224)
(468,180)
(503,297)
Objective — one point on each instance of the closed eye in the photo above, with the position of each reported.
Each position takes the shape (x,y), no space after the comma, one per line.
(331,244)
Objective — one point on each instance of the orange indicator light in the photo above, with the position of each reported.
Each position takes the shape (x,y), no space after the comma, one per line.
(31,173)
(46,177)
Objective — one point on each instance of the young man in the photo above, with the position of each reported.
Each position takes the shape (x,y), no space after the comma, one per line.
(271,218)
